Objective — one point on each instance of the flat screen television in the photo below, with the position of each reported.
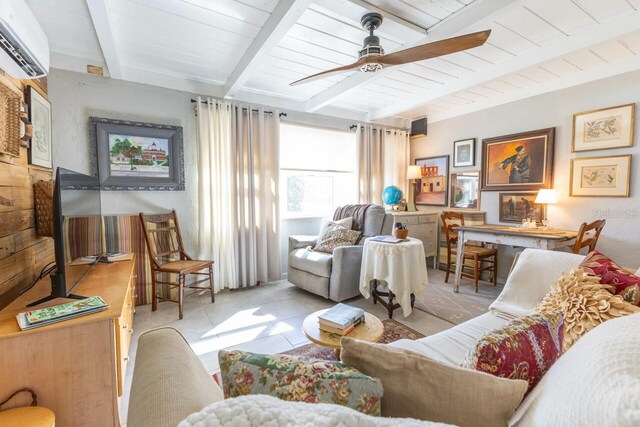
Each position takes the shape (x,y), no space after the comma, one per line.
(77,231)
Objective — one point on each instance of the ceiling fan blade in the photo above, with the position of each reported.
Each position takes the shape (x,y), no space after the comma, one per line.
(435,49)
(327,73)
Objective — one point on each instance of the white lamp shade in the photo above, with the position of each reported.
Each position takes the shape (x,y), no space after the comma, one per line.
(547,197)
(414,172)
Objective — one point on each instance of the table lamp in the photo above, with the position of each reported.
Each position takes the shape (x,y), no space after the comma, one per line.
(546,197)
(414,173)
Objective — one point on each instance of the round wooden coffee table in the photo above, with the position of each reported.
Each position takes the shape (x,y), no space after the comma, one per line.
(371,330)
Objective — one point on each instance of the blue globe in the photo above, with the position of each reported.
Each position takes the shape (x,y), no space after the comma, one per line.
(391,195)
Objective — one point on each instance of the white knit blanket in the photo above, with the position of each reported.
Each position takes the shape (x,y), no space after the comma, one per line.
(267,411)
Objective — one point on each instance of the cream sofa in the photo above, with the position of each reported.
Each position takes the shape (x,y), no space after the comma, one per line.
(169,382)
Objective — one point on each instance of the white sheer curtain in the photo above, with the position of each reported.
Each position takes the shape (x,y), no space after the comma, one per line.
(256,140)
(396,159)
(238,215)
(370,164)
(383,157)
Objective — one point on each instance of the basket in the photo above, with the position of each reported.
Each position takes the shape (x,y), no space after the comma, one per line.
(400,234)
(43,193)
(9,121)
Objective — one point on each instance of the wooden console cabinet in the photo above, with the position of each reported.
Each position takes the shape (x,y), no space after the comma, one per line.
(423,226)
(76,367)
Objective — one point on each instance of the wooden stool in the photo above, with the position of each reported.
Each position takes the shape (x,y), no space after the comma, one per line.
(27,416)
(388,304)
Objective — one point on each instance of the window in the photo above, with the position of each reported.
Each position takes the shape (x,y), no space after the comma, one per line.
(317,171)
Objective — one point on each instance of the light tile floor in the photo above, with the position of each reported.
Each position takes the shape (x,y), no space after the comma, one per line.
(268,318)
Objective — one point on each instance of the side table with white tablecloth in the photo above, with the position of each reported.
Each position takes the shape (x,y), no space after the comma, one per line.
(401,265)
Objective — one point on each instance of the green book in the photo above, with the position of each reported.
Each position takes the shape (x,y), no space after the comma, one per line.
(65,310)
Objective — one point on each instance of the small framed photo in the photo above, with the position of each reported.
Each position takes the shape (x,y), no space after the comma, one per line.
(465,190)
(464,153)
(603,129)
(40,118)
(607,176)
(515,207)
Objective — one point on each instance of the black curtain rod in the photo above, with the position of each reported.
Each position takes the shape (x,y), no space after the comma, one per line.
(243,108)
(352,127)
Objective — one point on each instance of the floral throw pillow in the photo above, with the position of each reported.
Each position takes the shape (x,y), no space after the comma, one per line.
(300,380)
(336,236)
(523,349)
(584,303)
(626,284)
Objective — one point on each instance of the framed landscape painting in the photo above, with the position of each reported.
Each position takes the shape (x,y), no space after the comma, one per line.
(603,129)
(517,162)
(607,176)
(138,156)
(464,153)
(515,207)
(432,189)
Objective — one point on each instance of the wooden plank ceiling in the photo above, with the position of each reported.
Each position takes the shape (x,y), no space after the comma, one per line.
(252,49)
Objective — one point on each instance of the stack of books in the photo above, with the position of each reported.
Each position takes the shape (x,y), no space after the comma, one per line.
(341,319)
(58,313)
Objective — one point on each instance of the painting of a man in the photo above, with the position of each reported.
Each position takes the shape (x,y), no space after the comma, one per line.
(518,162)
(519,166)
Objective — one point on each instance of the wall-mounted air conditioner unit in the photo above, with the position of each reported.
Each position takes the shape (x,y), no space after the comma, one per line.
(24,47)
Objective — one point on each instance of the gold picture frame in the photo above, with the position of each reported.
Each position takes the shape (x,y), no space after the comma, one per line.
(603,129)
(603,176)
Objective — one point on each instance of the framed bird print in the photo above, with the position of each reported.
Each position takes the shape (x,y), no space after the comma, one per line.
(607,176)
(603,129)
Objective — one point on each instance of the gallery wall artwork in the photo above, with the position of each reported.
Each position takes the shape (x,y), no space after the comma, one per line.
(432,189)
(464,153)
(465,190)
(522,161)
(516,207)
(607,176)
(138,156)
(40,118)
(603,129)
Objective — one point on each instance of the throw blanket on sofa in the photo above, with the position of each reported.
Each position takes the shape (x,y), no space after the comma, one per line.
(357,212)
(260,410)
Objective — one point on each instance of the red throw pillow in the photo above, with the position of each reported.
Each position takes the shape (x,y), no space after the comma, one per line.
(626,284)
(523,349)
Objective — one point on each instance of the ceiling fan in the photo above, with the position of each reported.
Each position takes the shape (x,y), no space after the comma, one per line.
(372,57)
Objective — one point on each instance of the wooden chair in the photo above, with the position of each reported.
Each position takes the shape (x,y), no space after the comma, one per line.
(477,254)
(166,251)
(588,235)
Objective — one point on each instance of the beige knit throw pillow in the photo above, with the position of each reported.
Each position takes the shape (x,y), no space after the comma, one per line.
(584,304)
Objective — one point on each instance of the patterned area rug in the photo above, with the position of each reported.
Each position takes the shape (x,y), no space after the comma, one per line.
(393,331)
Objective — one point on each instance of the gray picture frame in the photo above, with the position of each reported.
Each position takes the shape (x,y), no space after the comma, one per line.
(100,128)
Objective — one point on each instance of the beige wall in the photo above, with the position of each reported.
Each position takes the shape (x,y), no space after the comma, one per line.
(621,236)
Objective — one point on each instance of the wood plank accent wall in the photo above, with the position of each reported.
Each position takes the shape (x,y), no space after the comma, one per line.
(23,254)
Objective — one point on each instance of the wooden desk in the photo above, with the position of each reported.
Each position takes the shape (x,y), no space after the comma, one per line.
(76,367)
(511,236)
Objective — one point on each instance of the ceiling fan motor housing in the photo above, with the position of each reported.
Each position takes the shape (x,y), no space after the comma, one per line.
(371,46)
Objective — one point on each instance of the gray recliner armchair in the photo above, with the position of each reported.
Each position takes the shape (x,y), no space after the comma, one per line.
(334,276)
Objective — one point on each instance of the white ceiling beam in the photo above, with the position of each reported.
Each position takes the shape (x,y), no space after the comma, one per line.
(283,17)
(473,13)
(102,25)
(599,33)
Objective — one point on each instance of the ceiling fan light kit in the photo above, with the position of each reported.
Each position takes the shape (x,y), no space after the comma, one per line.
(372,58)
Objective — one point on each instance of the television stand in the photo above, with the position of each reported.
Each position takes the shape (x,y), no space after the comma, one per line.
(52,296)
